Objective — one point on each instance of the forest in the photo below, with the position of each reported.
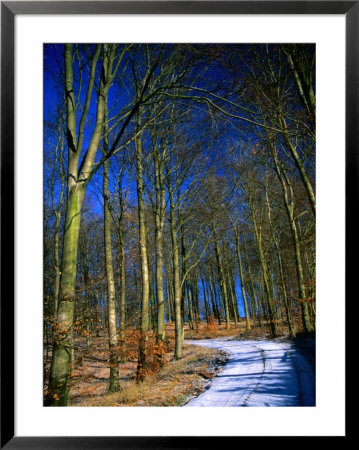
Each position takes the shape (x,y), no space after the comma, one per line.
(178,202)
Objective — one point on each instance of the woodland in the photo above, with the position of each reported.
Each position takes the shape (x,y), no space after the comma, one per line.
(178,198)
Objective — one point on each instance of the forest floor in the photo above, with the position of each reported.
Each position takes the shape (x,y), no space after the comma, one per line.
(174,384)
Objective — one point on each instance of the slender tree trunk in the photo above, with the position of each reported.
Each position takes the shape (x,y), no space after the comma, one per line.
(111,293)
(196,298)
(122,286)
(230,281)
(241,276)
(169,290)
(57,262)
(289,204)
(221,277)
(159,225)
(251,290)
(145,286)
(98,314)
(187,294)
(206,305)
(281,271)
(233,297)
(152,306)
(177,291)
(213,297)
(57,235)
(86,309)
(267,284)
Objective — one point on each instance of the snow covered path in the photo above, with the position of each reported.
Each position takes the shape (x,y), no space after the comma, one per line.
(259,373)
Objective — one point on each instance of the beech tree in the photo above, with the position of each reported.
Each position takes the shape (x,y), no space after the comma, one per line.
(79,174)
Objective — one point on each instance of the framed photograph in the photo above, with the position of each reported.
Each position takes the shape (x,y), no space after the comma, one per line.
(163,259)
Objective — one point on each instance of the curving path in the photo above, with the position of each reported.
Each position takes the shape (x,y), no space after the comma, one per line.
(259,373)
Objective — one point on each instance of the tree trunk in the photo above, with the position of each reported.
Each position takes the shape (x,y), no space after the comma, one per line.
(266,280)
(77,179)
(289,204)
(206,305)
(212,289)
(281,271)
(251,290)
(176,280)
(111,293)
(248,324)
(122,286)
(63,341)
(145,286)
(221,277)
(159,225)
(57,236)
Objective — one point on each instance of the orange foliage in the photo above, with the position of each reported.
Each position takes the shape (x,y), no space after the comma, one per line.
(212,326)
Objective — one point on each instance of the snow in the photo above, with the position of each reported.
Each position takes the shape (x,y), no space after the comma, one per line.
(259,373)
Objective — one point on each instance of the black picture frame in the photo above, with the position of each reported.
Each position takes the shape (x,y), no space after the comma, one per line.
(9,9)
